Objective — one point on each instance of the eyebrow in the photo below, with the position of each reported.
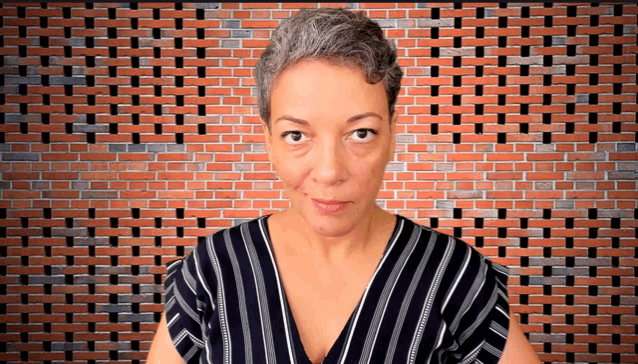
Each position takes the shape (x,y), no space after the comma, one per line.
(350,120)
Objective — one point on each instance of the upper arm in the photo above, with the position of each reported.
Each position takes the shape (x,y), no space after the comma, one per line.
(517,347)
(162,349)
(185,308)
(478,310)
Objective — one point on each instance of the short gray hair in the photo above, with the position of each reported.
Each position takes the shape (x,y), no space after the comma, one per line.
(335,35)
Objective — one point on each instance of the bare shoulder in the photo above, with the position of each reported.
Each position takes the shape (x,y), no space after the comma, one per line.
(162,349)
(517,348)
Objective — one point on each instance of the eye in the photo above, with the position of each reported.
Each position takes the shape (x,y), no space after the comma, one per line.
(296,136)
(364,134)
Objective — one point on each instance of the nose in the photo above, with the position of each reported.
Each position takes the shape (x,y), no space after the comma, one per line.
(328,166)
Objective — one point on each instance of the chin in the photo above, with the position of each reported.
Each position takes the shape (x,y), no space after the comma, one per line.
(330,224)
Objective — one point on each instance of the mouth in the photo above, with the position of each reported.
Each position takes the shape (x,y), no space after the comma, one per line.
(329,202)
(329,206)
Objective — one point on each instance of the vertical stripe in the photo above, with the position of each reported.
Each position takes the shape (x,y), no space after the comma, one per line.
(425,313)
(439,340)
(262,298)
(459,274)
(221,301)
(204,284)
(477,284)
(248,356)
(432,298)
(382,304)
(280,289)
(407,299)
(345,352)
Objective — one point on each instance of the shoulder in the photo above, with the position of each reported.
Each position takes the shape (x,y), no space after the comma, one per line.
(212,252)
(469,283)
(456,249)
(473,299)
(242,230)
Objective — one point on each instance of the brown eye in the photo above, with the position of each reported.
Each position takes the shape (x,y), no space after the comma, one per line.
(361,134)
(295,136)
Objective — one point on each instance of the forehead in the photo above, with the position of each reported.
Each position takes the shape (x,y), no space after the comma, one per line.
(317,90)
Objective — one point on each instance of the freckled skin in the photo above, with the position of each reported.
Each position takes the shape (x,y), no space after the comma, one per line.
(329,158)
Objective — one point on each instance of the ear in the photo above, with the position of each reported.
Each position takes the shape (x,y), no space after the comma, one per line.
(267,138)
(393,134)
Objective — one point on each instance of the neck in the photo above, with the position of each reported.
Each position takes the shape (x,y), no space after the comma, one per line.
(334,249)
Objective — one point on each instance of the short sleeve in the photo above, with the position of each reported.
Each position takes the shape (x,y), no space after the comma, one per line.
(184,307)
(484,327)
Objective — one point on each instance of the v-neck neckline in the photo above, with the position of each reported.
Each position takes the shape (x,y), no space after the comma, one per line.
(346,328)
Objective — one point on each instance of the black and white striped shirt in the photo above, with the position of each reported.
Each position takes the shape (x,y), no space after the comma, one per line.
(432,299)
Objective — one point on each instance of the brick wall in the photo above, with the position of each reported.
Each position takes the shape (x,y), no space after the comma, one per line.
(127,131)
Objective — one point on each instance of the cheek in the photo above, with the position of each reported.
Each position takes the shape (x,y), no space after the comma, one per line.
(292,174)
(369,168)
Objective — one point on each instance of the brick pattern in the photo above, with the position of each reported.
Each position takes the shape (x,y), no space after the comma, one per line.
(128,130)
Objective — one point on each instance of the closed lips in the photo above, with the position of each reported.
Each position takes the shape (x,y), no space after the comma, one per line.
(329,202)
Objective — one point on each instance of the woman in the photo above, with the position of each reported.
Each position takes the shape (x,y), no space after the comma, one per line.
(334,278)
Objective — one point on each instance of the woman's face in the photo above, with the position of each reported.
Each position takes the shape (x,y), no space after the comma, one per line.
(328,153)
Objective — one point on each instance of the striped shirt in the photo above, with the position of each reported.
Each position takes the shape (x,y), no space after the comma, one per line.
(432,299)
